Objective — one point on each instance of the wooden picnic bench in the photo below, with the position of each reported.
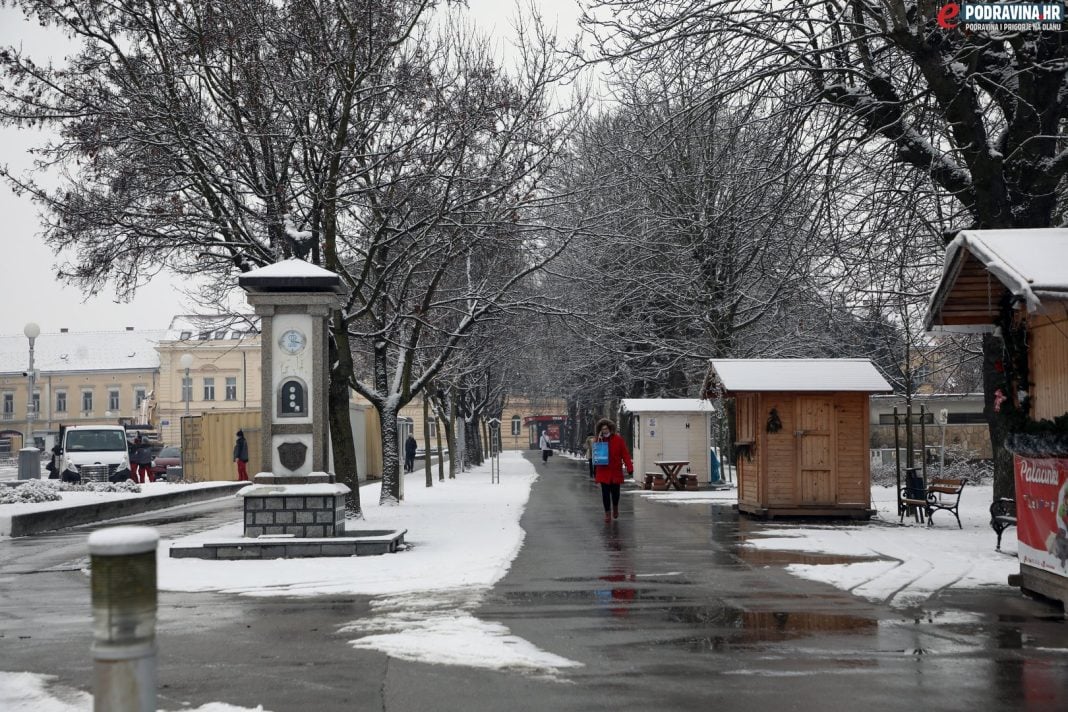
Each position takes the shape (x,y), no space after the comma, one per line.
(941,494)
(1002,516)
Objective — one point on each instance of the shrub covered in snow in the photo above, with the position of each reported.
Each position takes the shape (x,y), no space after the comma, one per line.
(124,486)
(30,492)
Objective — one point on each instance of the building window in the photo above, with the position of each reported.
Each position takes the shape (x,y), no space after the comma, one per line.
(433,427)
(517,425)
(186,335)
(205,335)
(36,401)
(139,398)
(61,401)
(187,389)
(231,388)
(113,400)
(220,335)
(87,401)
(209,389)
(9,404)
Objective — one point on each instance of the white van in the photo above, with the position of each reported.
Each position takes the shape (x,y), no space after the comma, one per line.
(94,453)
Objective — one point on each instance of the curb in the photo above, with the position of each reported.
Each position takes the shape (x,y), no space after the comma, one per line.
(53,519)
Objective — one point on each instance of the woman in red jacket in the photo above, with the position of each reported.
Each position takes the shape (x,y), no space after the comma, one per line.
(610,476)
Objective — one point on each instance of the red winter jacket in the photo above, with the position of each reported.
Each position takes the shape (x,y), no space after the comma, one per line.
(618,456)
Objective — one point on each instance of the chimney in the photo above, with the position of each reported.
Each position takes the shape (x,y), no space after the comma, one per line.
(63,330)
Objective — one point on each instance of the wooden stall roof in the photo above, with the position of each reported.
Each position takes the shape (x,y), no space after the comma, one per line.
(666,405)
(794,374)
(981,266)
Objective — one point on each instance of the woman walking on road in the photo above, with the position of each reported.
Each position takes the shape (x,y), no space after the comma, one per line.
(610,475)
(546,446)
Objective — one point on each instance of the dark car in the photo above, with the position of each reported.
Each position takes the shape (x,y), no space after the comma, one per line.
(168,456)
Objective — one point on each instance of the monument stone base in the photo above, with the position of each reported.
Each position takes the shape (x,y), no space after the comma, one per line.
(303,506)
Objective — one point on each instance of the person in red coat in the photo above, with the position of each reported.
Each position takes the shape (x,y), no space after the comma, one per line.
(610,476)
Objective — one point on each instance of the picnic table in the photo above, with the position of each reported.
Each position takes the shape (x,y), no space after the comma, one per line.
(671,470)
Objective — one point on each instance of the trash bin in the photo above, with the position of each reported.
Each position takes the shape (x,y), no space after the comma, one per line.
(174,473)
(914,484)
(29,463)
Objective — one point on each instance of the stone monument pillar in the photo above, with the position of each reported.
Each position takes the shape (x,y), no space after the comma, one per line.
(298,496)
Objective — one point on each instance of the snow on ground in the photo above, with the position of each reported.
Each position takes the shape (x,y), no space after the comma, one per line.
(463,535)
(913,562)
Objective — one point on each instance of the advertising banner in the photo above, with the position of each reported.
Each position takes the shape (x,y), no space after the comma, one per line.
(1042,513)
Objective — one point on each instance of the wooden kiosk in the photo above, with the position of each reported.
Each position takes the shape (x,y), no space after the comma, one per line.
(1015,283)
(801,433)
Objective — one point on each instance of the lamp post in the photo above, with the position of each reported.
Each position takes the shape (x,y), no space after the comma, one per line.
(186,361)
(29,455)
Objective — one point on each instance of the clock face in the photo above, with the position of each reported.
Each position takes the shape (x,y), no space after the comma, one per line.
(292,341)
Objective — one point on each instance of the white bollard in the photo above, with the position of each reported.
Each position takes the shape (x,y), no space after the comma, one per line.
(123,563)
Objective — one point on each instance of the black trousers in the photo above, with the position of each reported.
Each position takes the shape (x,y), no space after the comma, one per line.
(610,496)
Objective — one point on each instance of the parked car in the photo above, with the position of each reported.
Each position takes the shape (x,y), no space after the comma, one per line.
(168,456)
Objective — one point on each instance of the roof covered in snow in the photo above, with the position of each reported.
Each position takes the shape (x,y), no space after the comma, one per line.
(289,276)
(981,265)
(87,351)
(200,327)
(666,405)
(795,374)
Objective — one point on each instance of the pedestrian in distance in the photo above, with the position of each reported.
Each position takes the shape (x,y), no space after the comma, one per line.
(588,452)
(546,446)
(141,461)
(410,446)
(241,456)
(610,475)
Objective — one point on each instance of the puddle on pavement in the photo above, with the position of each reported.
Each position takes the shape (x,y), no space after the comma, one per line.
(737,627)
(777,557)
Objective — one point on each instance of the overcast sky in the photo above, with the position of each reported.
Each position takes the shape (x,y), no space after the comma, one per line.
(28,288)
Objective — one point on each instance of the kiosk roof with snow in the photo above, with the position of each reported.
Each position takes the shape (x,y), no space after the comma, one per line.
(794,374)
(983,267)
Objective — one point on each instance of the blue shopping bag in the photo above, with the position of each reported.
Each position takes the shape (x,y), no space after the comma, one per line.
(600,453)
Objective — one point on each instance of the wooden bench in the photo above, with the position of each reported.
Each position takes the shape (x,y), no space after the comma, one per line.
(941,494)
(688,482)
(1002,516)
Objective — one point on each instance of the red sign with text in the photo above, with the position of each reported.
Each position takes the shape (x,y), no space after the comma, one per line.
(1042,513)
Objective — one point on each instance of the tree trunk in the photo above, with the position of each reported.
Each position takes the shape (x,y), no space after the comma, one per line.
(426,442)
(997,423)
(441,459)
(342,445)
(391,488)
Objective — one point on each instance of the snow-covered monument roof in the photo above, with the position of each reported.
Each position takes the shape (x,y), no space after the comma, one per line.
(982,265)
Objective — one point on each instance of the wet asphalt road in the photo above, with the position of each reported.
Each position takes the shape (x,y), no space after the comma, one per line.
(662,608)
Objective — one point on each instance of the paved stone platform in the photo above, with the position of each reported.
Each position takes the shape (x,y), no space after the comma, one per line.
(358,543)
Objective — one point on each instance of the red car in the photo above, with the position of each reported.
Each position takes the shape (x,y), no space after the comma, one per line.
(168,456)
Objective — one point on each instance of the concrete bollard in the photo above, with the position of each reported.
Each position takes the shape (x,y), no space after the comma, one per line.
(29,463)
(123,563)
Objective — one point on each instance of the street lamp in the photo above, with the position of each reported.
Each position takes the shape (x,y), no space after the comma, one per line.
(32,331)
(185,361)
(29,455)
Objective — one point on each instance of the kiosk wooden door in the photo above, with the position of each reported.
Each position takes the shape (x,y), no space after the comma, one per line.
(815,484)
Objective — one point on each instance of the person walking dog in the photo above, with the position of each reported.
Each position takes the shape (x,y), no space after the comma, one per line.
(610,456)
